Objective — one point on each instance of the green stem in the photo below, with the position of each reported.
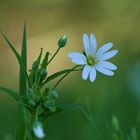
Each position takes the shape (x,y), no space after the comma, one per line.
(64,77)
(37,113)
(27,124)
(53,56)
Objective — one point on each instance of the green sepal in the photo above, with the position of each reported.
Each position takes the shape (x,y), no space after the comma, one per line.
(42,75)
(34,73)
(52,94)
(30,93)
(50,105)
(35,65)
(37,92)
(45,61)
(31,99)
(31,77)
(49,99)
(30,102)
(45,93)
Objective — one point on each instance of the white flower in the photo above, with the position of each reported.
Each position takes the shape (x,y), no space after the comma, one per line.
(38,130)
(94,60)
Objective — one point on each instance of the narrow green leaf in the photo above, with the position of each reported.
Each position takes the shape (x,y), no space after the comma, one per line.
(45,61)
(22,80)
(31,78)
(35,65)
(16,54)
(63,108)
(24,47)
(11,93)
(34,75)
(57,74)
(12,47)
(42,75)
(48,114)
(75,107)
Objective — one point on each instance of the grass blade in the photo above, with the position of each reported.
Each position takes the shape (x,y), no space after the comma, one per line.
(57,74)
(62,108)
(22,80)
(11,93)
(16,54)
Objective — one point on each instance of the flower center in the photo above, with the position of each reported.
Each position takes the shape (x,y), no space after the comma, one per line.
(91,61)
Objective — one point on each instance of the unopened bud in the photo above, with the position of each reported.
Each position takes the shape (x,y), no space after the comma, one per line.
(62,41)
(53,94)
(43,74)
(49,104)
(38,130)
(31,102)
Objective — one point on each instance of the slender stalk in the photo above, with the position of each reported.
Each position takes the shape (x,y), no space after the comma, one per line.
(64,76)
(53,56)
(27,124)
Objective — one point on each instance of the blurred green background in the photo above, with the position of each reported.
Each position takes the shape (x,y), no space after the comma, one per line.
(110,20)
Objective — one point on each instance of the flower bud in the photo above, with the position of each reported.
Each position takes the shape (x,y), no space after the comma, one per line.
(38,130)
(53,94)
(30,93)
(43,74)
(49,104)
(31,102)
(62,41)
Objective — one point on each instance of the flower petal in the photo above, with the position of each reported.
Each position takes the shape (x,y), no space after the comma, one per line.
(108,65)
(92,75)
(104,70)
(78,58)
(86,72)
(76,55)
(93,43)
(108,55)
(86,44)
(78,61)
(104,48)
(38,131)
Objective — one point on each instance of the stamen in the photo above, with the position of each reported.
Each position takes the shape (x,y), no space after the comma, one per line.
(91,60)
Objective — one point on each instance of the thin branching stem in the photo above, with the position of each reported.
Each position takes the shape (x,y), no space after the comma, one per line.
(66,75)
(53,56)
